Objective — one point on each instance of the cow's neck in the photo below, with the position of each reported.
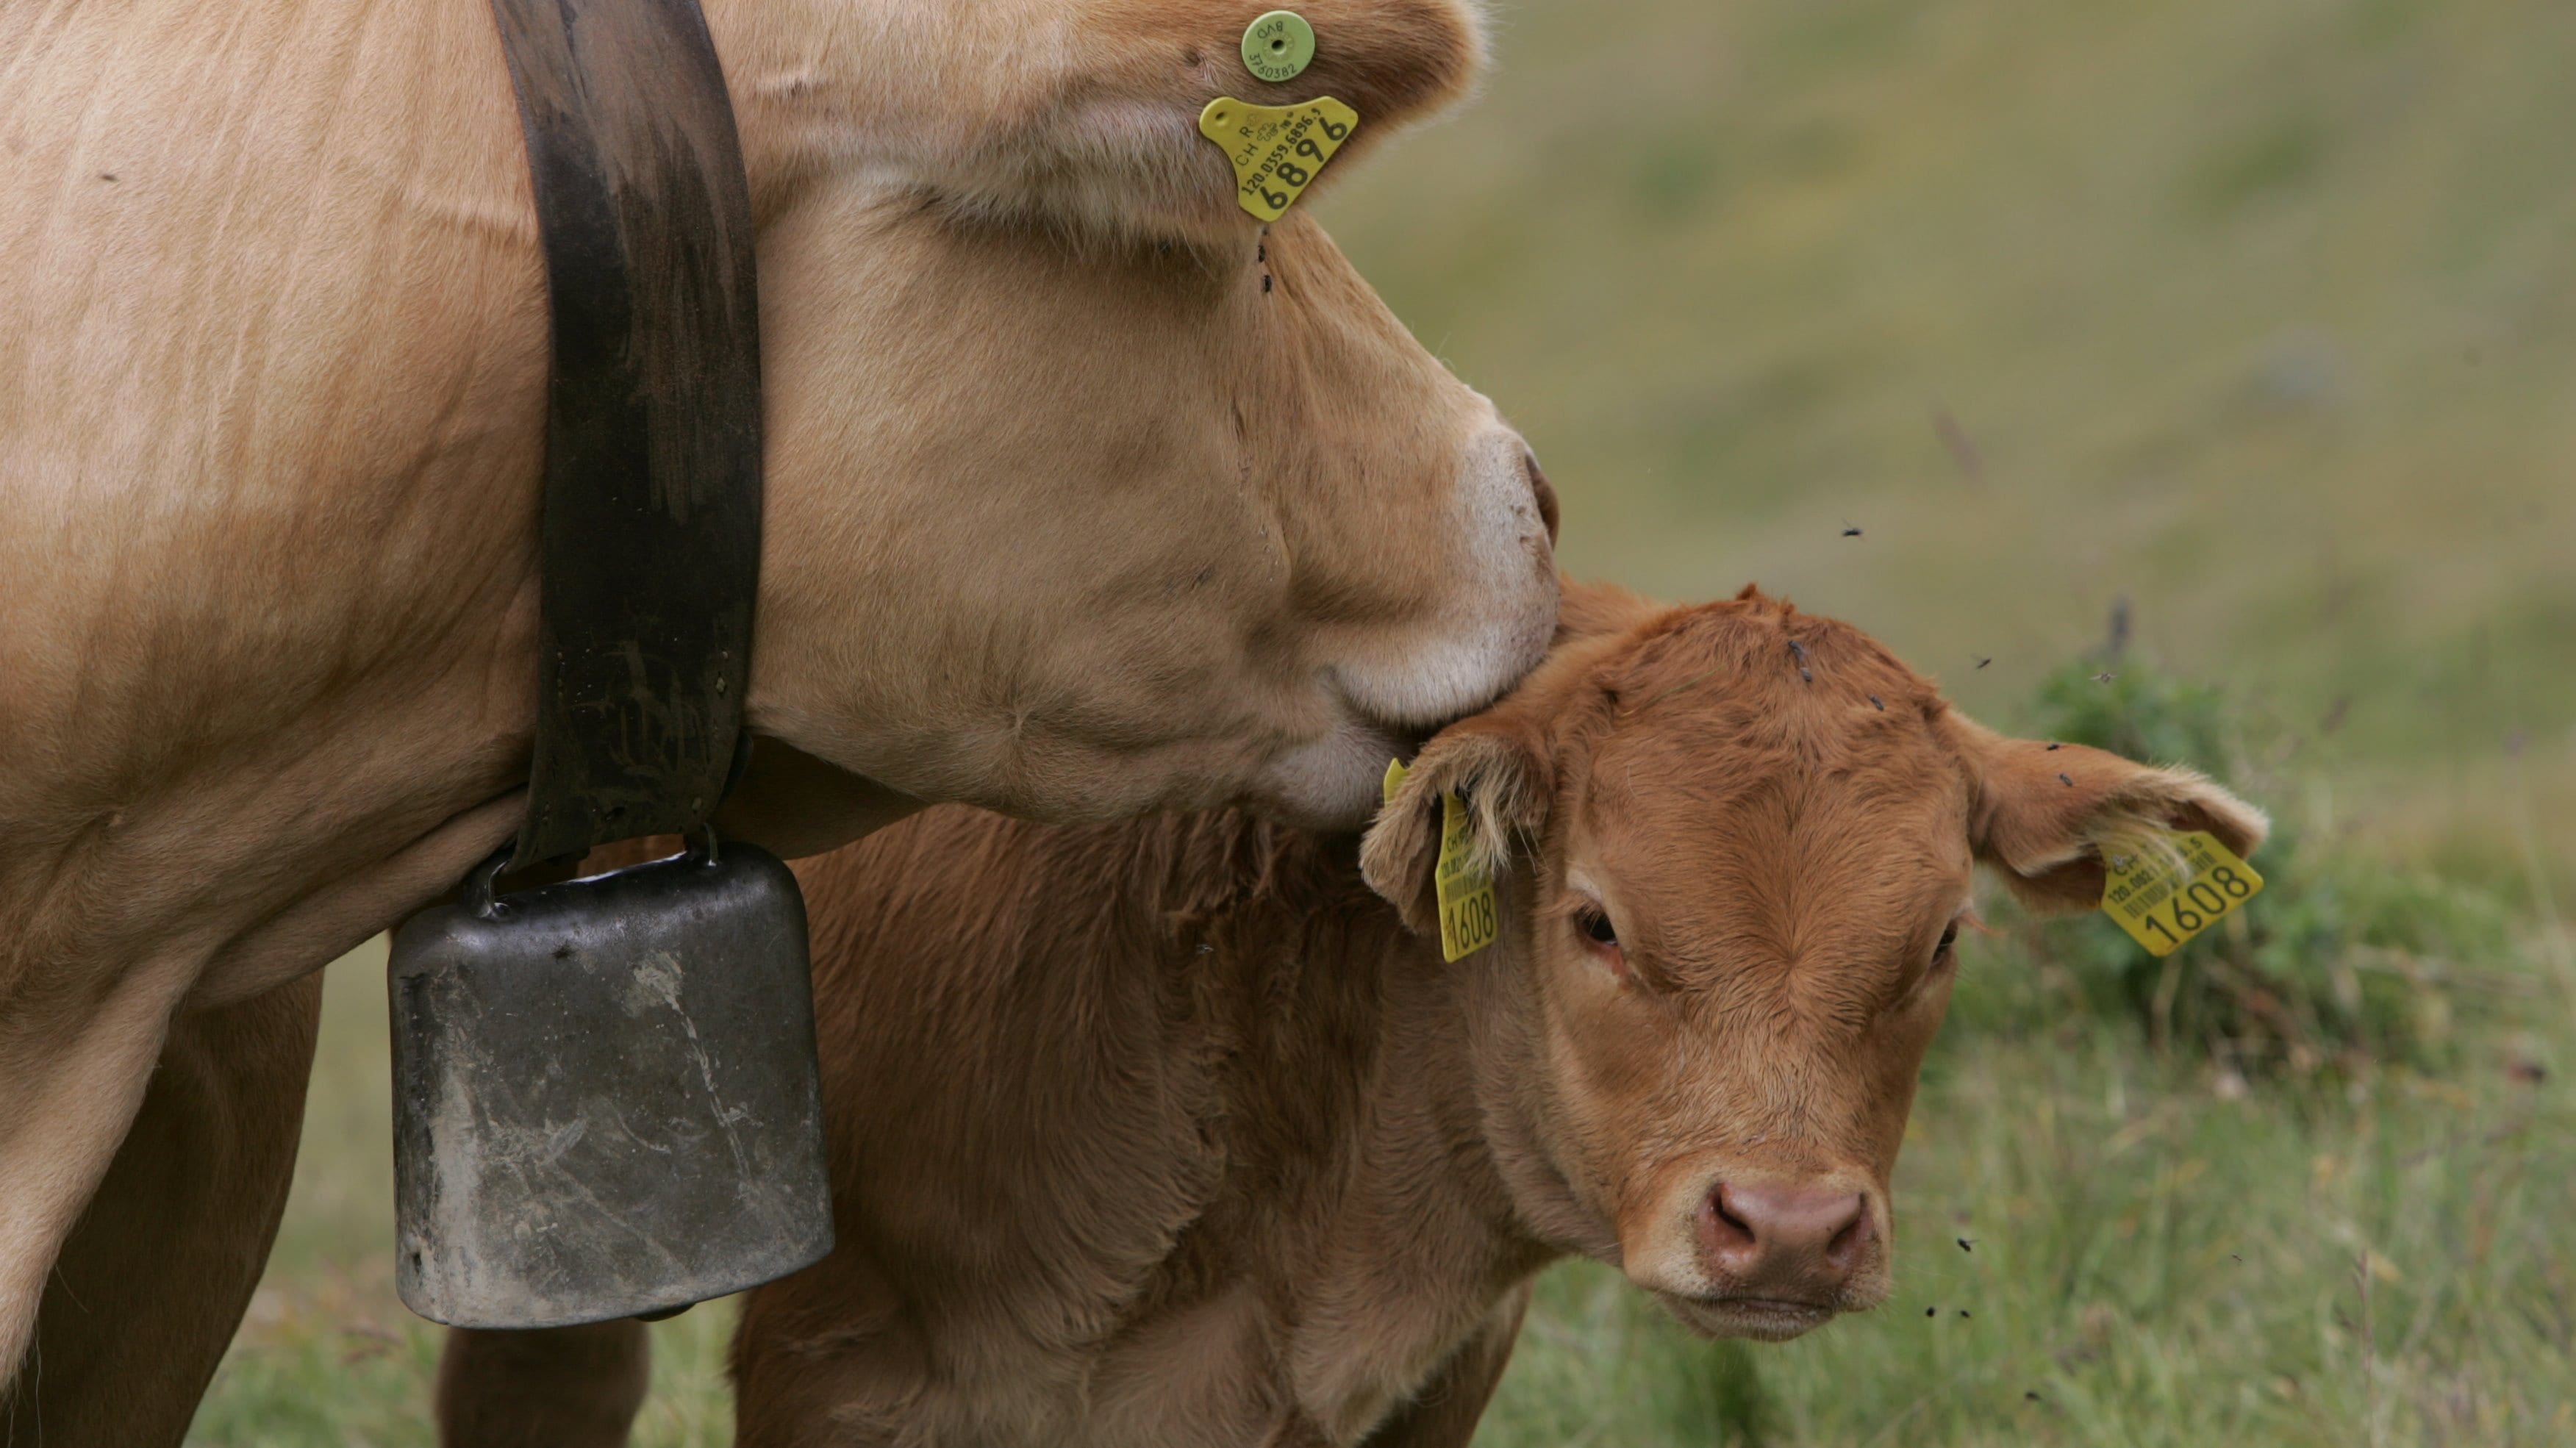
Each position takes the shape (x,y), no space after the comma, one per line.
(284,627)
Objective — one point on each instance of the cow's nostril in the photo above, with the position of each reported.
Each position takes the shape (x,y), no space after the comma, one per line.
(1717,1203)
(1726,1236)
(1844,1249)
(1546,495)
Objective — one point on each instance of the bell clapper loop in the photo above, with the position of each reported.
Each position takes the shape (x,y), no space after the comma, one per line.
(478,883)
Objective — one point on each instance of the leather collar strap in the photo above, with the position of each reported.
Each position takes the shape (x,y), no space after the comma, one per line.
(651,531)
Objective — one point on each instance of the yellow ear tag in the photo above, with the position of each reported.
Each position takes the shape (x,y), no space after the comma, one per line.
(2164,900)
(1465,889)
(1276,150)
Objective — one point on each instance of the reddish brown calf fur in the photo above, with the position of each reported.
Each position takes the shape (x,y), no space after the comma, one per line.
(1176,1132)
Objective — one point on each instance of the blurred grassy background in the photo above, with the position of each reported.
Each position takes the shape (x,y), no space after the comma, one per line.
(2260,316)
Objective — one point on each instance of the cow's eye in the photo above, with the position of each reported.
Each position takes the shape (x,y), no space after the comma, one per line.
(1949,938)
(1596,928)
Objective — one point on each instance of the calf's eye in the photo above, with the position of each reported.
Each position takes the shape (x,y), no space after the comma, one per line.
(1949,938)
(1596,928)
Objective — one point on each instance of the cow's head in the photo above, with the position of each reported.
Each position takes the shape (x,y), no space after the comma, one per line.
(1736,846)
(1088,493)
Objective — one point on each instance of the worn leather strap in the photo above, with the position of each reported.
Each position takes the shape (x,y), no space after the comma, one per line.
(651,531)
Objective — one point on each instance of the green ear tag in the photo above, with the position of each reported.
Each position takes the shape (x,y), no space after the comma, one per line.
(1278,45)
(1276,150)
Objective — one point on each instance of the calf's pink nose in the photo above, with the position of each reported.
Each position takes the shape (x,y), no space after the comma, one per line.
(1789,1241)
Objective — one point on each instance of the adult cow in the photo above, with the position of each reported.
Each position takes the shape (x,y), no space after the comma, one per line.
(1086,496)
(1173,1133)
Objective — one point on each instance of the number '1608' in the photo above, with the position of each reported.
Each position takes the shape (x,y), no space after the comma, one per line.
(1473,917)
(2199,903)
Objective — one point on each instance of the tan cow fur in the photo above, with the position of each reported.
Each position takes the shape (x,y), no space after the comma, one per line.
(1174,1133)
(1069,513)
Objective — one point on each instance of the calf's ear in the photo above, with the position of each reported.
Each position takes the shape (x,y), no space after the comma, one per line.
(2045,815)
(1589,610)
(1088,110)
(1499,768)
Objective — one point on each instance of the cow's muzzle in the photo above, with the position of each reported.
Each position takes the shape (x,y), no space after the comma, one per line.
(1740,1252)
(1784,1242)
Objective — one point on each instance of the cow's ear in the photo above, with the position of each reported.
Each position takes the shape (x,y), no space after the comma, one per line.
(2046,814)
(1089,110)
(1499,768)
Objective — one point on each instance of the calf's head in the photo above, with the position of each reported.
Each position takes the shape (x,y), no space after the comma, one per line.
(1734,844)
(1088,493)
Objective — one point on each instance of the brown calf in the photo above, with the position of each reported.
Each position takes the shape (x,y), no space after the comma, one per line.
(1174,1132)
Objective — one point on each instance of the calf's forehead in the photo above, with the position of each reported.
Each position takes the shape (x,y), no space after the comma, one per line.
(1724,831)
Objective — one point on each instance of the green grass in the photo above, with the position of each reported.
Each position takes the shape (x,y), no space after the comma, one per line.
(2259,316)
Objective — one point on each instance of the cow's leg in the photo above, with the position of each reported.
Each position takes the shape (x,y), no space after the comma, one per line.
(72,1077)
(1444,1413)
(153,1279)
(556,1387)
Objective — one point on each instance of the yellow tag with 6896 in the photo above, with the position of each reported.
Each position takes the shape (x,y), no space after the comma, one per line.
(1277,151)
(2164,897)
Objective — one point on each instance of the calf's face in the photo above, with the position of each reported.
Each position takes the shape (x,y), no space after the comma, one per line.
(1736,845)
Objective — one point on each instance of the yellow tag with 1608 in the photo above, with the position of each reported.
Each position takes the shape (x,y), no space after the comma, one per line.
(1463,886)
(2164,897)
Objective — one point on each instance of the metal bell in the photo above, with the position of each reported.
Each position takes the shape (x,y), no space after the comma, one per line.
(605,1094)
